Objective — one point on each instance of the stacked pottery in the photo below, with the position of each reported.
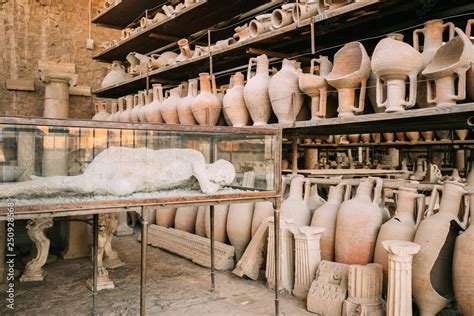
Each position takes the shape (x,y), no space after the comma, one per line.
(283,17)
(358,224)
(138,104)
(153,110)
(162,60)
(316,87)
(125,116)
(393,62)
(285,95)
(220,222)
(147,98)
(185,113)
(165,217)
(402,226)
(350,72)
(116,75)
(432,266)
(185,219)
(326,216)
(206,106)
(470,73)
(296,206)
(101,113)
(262,24)
(234,103)
(168,109)
(256,95)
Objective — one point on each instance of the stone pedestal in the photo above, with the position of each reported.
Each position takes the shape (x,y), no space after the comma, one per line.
(122,228)
(112,260)
(56,94)
(307,258)
(26,155)
(400,257)
(286,259)
(78,239)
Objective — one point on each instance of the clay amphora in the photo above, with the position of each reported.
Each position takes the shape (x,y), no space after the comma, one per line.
(461,133)
(185,219)
(450,63)
(200,227)
(314,200)
(402,226)
(125,116)
(136,108)
(358,223)
(306,10)
(220,222)
(316,87)
(261,211)
(162,60)
(296,206)
(285,95)
(116,75)
(420,172)
(206,105)
(463,277)
(262,24)
(432,266)
(169,111)
(470,73)
(234,103)
(186,52)
(256,95)
(120,108)
(101,113)
(350,72)
(283,17)
(185,113)
(153,110)
(242,33)
(113,111)
(147,99)
(326,216)
(393,62)
(165,217)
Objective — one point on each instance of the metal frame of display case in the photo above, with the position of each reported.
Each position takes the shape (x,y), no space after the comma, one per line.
(116,205)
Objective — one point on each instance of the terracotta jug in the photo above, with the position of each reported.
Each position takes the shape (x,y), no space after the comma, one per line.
(185,113)
(432,266)
(326,216)
(234,103)
(463,277)
(138,100)
(316,87)
(296,206)
(153,110)
(125,116)
(420,172)
(314,200)
(101,113)
(147,99)
(358,224)
(402,226)
(220,222)
(350,72)
(285,95)
(470,73)
(206,106)
(200,227)
(185,219)
(113,111)
(120,108)
(116,75)
(256,95)
(185,51)
(169,111)
(165,217)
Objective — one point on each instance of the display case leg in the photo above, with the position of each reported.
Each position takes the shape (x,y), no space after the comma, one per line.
(276,216)
(143,261)
(213,277)
(294,156)
(95,251)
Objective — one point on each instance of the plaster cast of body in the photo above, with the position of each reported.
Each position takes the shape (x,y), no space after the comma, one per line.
(122,171)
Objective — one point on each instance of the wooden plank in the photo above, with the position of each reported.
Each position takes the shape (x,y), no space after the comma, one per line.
(347,172)
(20,84)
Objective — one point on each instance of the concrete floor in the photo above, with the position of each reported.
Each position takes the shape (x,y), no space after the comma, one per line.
(175,286)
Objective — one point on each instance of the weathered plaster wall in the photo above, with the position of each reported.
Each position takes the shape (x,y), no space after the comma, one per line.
(30,31)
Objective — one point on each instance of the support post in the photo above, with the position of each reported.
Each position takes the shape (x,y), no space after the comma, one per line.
(294,158)
(276,216)
(143,261)
(213,277)
(95,251)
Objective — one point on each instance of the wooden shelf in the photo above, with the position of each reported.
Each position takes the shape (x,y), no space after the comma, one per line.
(440,143)
(124,12)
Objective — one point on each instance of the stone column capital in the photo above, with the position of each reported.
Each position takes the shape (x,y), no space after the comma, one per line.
(49,75)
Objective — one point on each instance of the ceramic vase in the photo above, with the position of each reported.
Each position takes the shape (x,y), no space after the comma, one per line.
(125,116)
(256,95)
(427,135)
(436,234)
(185,112)
(185,51)
(168,109)
(147,99)
(116,75)
(206,106)
(185,219)
(220,222)
(153,110)
(358,224)
(296,205)
(234,102)
(101,113)
(285,95)
(136,108)
(165,217)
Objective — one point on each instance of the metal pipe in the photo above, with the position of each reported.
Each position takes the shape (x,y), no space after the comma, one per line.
(213,277)
(143,261)
(95,251)
(294,159)
(276,217)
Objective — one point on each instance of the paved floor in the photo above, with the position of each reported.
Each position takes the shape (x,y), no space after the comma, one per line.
(175,286)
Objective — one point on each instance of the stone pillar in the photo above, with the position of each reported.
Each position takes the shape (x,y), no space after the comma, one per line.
(26,155)
(400,257)
(307,258)
(365,291)
(111,260)
(56,94)
(286,260)
(122,228)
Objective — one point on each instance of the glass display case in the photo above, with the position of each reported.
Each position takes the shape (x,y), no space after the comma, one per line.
(60,165)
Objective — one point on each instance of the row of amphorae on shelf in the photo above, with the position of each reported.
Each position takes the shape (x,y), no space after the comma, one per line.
(440,75)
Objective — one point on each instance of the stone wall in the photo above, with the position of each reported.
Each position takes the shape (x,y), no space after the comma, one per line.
(30,31)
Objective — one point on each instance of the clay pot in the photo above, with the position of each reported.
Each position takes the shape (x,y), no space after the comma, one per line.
(186,52)
(402,226)
(443,134)
(350,72)
(165,217)
(326,216)
(470,73)
(116,75)
(427,135)
(162,60)
(282,17)
(262,24)
(389,137)
(101,113)
(376,137)
(285,95)
(358,223)
(354,138)
(432,267)
(365,138)
(296,206)
(206,105)
(169,107)
(393,62)
(463,278)
(450,63)
(220,222)
(261,211)
(242,33)
(234,103)
(185,112)
(185,219)
(138,104)
(401,136)
(200,227)
(316,86)
(413,136)
(461,133)
(153,110)
(256,95)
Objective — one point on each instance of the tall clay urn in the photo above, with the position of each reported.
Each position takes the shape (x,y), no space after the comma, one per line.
(432,266)
(153,110)
(138,106)
(185,219)
(125,116)
(200,227)
(256,95)
(314,200)
(296,206)
(358,224)
(326,217)
(169,107)
(220,222)
(285,95)
(165,217)
(261,211)
(206,105)
(402,226)
(185,112)
(234,102)
(463,260)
